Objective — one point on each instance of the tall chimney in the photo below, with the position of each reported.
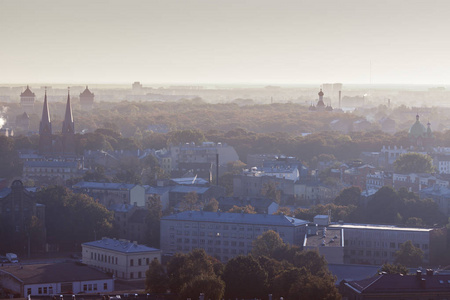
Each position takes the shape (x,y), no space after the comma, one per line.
(217,169)
(339,99)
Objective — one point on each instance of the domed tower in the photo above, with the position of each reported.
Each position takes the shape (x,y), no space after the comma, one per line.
(320,103)
(419,135)
(86,99)
(27,99)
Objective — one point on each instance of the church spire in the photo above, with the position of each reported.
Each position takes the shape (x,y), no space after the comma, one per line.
(68,125)
(45,129)
(45,125)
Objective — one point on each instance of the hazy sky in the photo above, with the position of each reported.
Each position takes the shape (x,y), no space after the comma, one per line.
(226,41)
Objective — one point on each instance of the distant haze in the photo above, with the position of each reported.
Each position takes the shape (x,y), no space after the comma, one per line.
(225,42)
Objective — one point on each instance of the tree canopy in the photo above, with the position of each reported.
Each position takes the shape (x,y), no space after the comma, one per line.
(414,163)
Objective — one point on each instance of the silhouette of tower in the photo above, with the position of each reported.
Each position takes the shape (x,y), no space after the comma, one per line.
(68,129)
(45,129)
(27,99)
(86,99)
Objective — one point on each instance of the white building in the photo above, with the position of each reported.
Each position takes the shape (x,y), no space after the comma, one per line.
(54,279)
(122,258)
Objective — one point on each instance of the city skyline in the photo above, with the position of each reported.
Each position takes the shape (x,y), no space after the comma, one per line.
(232,42)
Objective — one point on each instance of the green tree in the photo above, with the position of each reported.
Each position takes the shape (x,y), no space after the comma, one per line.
(153,222)
(312,261)
(212,205)
(156,280)
(244,278)
(271,191)
(248,209)
(266,244)
(409,255)
(186,136)
(190,202)
(394,269)
(71,219)
(212,287)
(414,163)
(183,268)
(348,196)
(10,165)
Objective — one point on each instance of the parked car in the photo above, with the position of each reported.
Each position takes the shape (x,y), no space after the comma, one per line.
(3,259)
(12,257)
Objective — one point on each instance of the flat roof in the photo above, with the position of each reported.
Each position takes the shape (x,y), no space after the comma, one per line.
(236,218)
(331,237)
(120,246)
(378,227)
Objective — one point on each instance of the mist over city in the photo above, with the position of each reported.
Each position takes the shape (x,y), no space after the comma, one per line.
(224,150)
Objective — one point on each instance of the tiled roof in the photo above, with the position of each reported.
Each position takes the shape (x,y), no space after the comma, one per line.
(103,185)
(236,218)
(120,246)
(51,273)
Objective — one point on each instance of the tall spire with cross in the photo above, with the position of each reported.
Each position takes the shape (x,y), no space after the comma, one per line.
(68,128)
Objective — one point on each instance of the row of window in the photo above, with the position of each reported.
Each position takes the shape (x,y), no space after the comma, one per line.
(211,242)
(211,250)
(391,245)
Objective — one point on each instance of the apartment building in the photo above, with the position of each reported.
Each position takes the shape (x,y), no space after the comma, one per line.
(224,235)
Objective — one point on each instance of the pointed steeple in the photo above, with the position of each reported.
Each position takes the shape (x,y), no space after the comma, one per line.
(68,125)
(45,127)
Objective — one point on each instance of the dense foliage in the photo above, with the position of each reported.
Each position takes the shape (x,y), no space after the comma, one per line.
(72,219)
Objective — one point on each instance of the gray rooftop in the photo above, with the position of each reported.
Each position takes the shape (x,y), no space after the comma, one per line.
(120,246)
(188,189)
(236,218)
(103,185)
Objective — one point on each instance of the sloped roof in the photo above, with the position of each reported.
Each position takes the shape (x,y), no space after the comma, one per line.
(120,246)
(51,273)
(236,218)
(396,283)
(27,93)
(86,92)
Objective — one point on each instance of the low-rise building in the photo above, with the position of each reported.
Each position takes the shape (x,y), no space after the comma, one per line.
(225,235)
(377,244)
(329,243)
(124,259)
(54,279)
(397,286)
(112,193)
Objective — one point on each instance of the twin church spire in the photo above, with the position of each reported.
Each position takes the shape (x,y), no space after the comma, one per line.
(65,144)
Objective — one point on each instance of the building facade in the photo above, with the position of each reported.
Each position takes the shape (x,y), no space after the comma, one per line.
(54,279)
(377,244)
(224,235)
(124,259)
